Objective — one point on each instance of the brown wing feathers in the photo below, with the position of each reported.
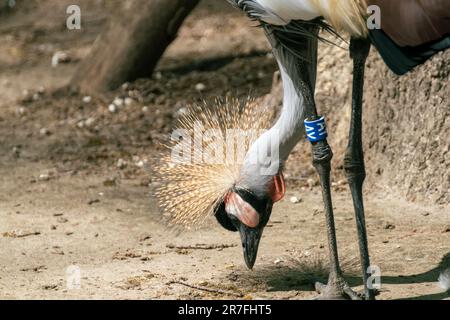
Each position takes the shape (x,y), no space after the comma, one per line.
(411,23)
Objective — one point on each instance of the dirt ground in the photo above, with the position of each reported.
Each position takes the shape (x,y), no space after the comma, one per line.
(76,181)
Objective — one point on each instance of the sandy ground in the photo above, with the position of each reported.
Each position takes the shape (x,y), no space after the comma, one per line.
(65,205)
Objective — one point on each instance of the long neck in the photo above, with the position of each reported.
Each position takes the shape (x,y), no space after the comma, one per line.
(268,154)
(270,151)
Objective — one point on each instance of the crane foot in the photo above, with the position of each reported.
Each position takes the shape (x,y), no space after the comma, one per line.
(336,290)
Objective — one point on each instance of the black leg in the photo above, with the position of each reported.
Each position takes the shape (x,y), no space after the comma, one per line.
(337,287)
(354,157)
(297,56)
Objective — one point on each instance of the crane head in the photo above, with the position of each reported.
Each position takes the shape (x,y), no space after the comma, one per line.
(244,211)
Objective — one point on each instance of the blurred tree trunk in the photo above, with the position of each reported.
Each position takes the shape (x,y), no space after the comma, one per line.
(134,42)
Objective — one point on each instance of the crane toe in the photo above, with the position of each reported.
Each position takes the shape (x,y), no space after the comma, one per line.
(336,290)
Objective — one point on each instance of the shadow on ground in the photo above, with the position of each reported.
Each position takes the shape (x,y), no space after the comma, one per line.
(302,274)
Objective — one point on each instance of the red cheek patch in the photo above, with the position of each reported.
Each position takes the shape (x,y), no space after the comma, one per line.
(239,208)
(277,190)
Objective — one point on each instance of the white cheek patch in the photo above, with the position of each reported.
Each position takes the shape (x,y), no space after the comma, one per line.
(239,208)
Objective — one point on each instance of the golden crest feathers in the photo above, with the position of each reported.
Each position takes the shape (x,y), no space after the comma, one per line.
(206,152)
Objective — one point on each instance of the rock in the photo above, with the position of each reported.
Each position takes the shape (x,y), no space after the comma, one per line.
(21,110)
(112,108)
(44,132)
(44,177)
(60,57)
(200,87)
(295,200)
(121,164)
(145,109)
(89,122)
(118,102)
(140,164)
(87,99)
(128,101)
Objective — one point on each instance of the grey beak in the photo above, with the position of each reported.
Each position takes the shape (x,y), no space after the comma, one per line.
(250,242)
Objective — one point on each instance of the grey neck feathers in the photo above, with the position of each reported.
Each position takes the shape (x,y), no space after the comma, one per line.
(268,154)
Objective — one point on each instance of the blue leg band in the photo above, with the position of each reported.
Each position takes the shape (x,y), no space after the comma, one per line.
(316,130)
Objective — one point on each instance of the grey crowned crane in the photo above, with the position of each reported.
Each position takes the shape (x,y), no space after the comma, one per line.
(241,195)
(411,32)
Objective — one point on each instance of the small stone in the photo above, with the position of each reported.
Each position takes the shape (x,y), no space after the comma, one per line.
(60,57)
(200,87)
(121,164)
(295,200)
(44,177)
(112,108)
(140,164)
(278,261)
(426,214)
(44,132)
(118,102)
(145,109)
(87,99)
(89,122)
(158,76)
(21,110)
(128,101)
